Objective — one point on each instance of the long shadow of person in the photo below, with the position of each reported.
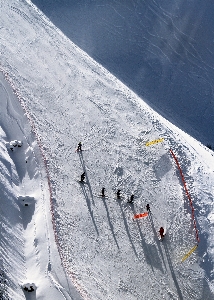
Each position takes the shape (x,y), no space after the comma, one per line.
(150,251)
(87,179)
(127,228)
(109,220)
(157,240)
(84,191)
(172,271)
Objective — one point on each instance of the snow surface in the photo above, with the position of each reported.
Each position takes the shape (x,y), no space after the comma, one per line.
(69,242)
(163,50)
(29,253)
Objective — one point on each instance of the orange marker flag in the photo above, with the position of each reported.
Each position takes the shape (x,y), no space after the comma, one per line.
(138,216)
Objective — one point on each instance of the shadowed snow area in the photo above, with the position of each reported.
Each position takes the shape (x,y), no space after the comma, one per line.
(105,254)
(27,246)
(163,50)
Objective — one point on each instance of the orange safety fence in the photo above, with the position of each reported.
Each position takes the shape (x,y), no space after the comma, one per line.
(187,193)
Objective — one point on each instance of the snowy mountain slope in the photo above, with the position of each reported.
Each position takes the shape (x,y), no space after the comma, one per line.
(162,50)
(28,250)
(11,245)
(70,98)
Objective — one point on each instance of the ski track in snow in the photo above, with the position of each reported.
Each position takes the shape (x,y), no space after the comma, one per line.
(70,98)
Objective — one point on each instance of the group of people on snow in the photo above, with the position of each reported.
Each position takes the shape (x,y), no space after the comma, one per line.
(161,231)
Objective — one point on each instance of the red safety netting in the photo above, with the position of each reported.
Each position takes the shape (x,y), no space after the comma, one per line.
(187,193)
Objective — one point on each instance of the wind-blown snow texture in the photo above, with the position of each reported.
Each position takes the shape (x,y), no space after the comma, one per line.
(28,251)
(162,49)
(68,98)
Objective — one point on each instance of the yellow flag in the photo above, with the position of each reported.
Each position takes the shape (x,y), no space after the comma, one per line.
(189,253)
(154,142)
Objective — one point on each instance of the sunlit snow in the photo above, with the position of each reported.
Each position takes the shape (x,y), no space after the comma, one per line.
(59,238)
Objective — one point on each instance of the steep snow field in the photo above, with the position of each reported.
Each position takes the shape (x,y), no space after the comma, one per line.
(163,50)
(67,97)
(28,251)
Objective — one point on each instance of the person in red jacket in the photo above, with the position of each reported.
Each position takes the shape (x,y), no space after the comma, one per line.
(161,232)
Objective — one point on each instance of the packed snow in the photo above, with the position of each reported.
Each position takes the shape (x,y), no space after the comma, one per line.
(59,238)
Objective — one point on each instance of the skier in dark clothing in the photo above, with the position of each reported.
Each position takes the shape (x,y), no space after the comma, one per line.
(82,177)
(148,208)
(118,194)
(79,147)
(161,231)
(103,192)
(131,199)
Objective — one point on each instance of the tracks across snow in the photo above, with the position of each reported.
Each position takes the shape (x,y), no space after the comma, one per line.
(71,98)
